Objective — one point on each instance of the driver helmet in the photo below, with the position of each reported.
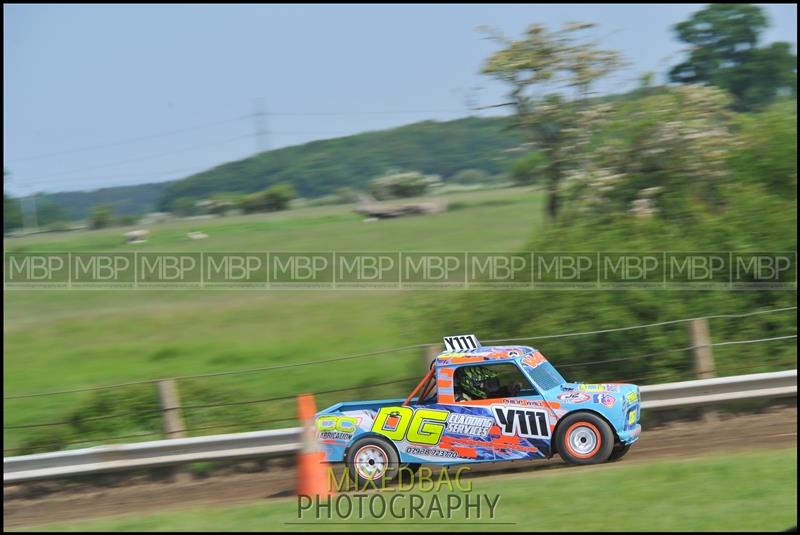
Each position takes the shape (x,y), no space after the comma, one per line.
(478,381)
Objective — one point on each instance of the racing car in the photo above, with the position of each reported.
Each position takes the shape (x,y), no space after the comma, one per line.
(482,404)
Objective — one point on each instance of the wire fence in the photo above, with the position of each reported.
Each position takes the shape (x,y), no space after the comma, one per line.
(263,423)
(394,350)
(646,378)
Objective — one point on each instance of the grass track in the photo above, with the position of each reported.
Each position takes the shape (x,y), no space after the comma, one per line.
(736,492)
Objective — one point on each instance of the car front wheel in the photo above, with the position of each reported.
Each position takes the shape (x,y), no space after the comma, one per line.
(584,438)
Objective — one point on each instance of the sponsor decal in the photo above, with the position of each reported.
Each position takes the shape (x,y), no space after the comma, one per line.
(573,396)
(632,417)
(421,426)
(606,399)
(334,427)
(631,397)
(467,424)
(431,452)
(528,423)
(534,359)
(599,388)
(526,402)
(334,435)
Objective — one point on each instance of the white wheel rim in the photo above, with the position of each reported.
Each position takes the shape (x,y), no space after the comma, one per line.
(582,440)
(371,462)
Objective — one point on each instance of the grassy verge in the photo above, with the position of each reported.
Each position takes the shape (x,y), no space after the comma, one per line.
(741,492)
(57,340)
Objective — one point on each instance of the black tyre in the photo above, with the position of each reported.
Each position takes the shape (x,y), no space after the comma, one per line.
(583,438)
(619,452)
(411,467)
(407,472)
(372,461)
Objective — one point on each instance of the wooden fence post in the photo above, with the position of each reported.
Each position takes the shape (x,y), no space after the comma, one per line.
(701,343)
(704,367)
(171,409)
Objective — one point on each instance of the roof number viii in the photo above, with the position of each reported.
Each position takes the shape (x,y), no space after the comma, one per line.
(461,342)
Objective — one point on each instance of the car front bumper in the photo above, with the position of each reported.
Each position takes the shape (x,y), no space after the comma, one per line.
(629,436)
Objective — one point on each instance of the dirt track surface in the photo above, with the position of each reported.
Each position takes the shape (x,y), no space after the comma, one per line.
(769,429)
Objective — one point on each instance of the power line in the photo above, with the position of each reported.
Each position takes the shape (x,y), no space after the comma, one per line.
(359,112)
(88,182)
(204,168)
(192,170)
(149,157)
(130,140)
(260,111)
(260,124)
(67,179)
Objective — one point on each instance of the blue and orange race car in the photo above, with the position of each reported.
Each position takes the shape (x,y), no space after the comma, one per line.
(482,404)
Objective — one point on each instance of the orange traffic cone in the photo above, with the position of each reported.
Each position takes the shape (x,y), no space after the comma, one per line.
(312,473)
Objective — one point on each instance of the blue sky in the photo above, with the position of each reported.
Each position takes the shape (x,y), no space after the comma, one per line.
(92,76)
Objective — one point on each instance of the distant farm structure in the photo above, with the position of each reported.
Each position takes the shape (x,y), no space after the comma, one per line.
(370,207)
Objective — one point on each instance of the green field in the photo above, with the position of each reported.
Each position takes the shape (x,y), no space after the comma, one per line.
(64,339)
(735,492)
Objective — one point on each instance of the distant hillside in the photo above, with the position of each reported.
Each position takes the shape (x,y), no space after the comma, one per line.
(125,200)
(320,167)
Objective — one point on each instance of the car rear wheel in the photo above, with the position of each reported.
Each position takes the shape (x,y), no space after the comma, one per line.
(584,438)
(619,452)
(372,461)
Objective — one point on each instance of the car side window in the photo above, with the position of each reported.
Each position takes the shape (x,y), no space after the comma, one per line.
(490,381)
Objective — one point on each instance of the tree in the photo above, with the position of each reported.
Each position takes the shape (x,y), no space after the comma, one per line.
(768,152)
(278,196)
(471,176)
(101,216)
(554,122)
(12,215)
(49,213)
(667,153)
(184,207)
(723,41)
(528,169)
(408,184)
(272,199)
